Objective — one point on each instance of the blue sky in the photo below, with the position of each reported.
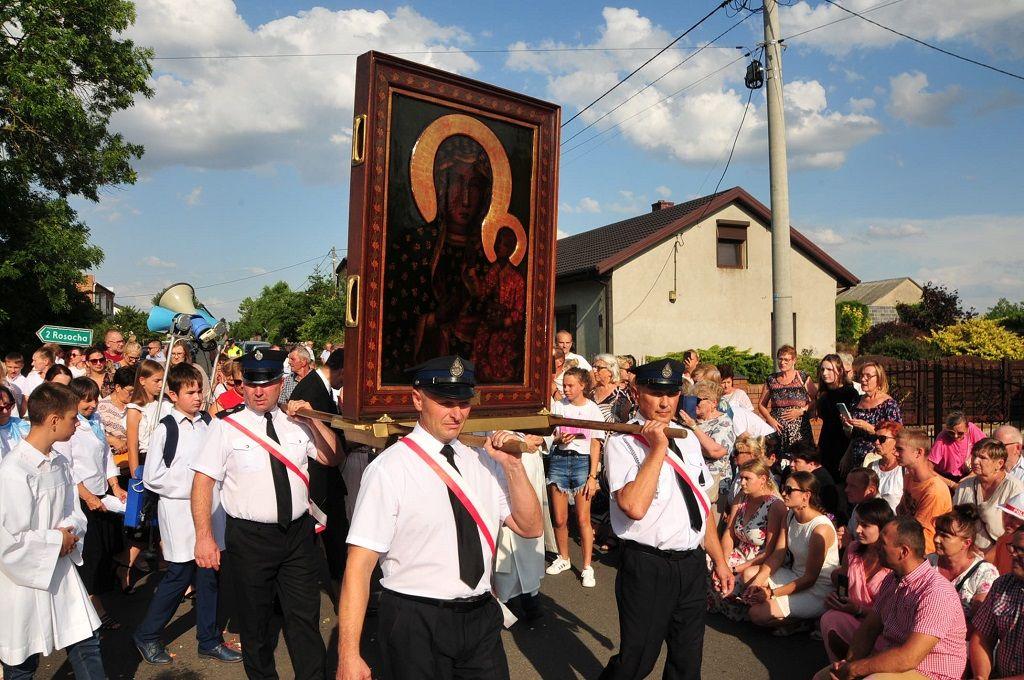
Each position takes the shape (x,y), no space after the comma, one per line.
(903,161)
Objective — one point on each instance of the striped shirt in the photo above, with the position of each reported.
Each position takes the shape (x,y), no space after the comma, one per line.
(923,601)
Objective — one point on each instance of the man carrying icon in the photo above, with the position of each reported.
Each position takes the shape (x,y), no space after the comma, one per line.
(428,510)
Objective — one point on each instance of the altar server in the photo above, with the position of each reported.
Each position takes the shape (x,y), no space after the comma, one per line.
(661,514)
(428,510)
(45,604)
(175,443)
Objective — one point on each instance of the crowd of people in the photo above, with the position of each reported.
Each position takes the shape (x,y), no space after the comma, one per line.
(901,552)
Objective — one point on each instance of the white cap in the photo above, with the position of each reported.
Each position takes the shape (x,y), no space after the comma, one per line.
(1014,506)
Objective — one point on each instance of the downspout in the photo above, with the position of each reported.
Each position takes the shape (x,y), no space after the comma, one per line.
(609,333)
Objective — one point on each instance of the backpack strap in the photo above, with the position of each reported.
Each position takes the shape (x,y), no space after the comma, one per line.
(171,441)
(205,417)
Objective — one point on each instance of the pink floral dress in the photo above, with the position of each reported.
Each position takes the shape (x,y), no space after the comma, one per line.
(749,535)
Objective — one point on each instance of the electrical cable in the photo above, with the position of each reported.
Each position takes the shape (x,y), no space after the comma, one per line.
(637,69)
(840,20)
(663,75)
(929,45)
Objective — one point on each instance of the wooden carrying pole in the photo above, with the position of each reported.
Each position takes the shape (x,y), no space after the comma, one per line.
(624,428)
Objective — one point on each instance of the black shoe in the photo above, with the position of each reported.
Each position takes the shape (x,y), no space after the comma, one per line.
(222,653)
(153,652)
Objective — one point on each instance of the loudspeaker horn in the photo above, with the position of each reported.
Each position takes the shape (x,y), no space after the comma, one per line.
(179,298)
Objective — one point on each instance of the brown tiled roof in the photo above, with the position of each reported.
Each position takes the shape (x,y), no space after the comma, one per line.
(598,251)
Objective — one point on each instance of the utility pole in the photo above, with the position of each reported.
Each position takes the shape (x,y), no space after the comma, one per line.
(782,289)
(334,270)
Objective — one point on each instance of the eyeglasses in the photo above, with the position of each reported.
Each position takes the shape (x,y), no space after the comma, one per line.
(136,357)
(6,406)
(786,490)
(868,376)
(880,438)
(96,361)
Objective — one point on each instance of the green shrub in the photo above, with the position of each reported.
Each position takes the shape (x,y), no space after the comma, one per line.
(852,321)
(983,338)
(904,348)
(754,366)
(887,330)
(808,363)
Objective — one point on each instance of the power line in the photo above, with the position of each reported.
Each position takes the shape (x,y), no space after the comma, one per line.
(494,50)
(840,20)
(637,69)
(665,74)
(929,45)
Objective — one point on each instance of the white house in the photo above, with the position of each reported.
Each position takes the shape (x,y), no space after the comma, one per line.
(691,275)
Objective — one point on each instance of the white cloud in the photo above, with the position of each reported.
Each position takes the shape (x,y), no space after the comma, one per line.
(910,101)
(589,205)
(860,105)
(827,237)
(194,197)
(109,208)
(991,26)
(663,191)
(562,234)
(255,113)
(709,111)
(154,261)
(903,230)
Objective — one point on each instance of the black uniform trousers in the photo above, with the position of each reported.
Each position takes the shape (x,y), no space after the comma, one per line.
(661,598)
(266,560)
(424,641)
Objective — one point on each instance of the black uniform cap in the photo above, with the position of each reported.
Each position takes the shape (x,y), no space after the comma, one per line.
(449,377)
(262,366)
(663,375)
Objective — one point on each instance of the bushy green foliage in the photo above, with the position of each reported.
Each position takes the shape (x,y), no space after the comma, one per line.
(852,321)
(808,363)
(983,338)
(939,307)
(904,348)
(130,321)
(280,313)
(886,331)
(1010,315)
(754,366)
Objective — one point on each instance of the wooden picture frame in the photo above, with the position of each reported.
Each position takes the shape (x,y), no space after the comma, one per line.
(452,228)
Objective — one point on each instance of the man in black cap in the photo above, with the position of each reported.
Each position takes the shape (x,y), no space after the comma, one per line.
(661,514)
(429,509)
(258,458)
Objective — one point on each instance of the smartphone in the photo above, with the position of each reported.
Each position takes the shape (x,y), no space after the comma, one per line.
(844,411)
(843,586)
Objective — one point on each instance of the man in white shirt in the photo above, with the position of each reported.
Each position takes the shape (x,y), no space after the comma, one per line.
(260,456)
(328,348)
(42,359)
(661,513)
(428,510)
(1011,439)
(563,341)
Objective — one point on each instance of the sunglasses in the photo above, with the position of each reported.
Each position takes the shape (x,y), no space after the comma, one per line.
(786,490)
(880,438)
(96,361)
(6,406)
(236,383)
(956,435)
(133,356)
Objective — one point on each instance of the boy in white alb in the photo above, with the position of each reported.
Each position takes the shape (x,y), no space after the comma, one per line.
(175,443)
(46,605)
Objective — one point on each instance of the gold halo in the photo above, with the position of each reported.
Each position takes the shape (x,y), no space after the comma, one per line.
(421,176)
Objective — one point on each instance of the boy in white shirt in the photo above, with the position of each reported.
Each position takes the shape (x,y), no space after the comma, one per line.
(175,442)
(46,605)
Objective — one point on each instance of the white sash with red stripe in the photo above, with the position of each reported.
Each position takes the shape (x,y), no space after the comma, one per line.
(270,446)
(676,463)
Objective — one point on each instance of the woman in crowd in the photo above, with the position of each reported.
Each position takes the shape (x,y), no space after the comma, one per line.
(141,417)
(887,467)
(750,531)
(96,363)
(951,452)
(958,559)
(874,406)
(787,397)
(714,432)
(732,394)
(989,487)
(627,379)
(612,401)
(786,598)
(222,379)
(101,497)
(12,428)
(834,388)
(113,411)
(747,447)
(558,370)
(232,397)
(59,373)
(76,362)
(863,574)
(572,471)
(132,355)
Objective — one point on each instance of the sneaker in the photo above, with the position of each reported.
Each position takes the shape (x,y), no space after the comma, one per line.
(588,577)
(558,566)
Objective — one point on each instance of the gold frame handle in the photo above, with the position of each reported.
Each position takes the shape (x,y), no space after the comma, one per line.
(359,139)
(352,301)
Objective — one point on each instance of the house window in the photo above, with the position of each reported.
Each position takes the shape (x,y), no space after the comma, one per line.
(732,245)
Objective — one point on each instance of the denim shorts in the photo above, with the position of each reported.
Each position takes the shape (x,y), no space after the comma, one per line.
(568,471)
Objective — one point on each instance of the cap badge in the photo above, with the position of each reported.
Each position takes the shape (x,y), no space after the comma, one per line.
(258,355)
(457,368)
(666,372)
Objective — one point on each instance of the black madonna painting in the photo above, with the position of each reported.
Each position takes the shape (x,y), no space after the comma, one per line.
(451,235)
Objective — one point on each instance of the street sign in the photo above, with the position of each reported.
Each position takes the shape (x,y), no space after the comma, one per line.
(81,337)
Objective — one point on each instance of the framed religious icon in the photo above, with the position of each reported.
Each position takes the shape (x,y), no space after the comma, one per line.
(452,224)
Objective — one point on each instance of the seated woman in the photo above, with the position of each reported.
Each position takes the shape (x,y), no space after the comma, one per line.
(958,558)
(785,598)
(862,573)
(714,432)
(753,525)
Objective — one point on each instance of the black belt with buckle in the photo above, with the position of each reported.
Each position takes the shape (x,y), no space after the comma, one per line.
(463,604)
(651,550)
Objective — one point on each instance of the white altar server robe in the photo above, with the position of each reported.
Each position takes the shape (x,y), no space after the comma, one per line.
(46,606)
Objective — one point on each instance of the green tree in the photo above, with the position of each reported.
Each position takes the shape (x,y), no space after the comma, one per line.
(64,70)
(130,321)
(852,321)
(939,307)
(326,321)
(983,338)
(275,315)
(1010,315)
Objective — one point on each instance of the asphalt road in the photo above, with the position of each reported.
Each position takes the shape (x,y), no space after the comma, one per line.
(574,639)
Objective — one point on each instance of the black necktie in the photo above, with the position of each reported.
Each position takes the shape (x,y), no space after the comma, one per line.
(692,507)
(282,488)
(471,558)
